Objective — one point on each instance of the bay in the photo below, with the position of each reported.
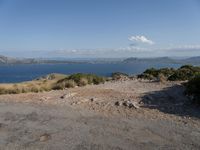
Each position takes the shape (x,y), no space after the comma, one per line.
(26,72)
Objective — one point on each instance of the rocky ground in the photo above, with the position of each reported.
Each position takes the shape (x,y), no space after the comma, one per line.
(117,115)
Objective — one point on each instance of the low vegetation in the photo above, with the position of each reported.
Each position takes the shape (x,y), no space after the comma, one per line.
(44,83)
(60,81)
(193,89)
(183,73)
(79,79)
(119,75)
(51,82)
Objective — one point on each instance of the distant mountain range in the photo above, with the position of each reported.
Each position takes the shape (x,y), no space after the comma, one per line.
(152,60)
(12,60)
(191,60)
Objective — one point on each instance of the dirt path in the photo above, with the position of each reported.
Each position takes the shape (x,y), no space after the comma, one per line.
(88,118)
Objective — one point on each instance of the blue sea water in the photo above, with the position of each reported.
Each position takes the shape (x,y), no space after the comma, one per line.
(19,73)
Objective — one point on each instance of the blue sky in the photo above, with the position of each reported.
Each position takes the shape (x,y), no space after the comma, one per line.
(99,28)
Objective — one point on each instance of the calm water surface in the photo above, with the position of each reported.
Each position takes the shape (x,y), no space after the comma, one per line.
(18,73)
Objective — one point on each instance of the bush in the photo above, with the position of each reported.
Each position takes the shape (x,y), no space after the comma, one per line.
(45,88)
(185,72)
(9,91)
(2,91)
(78,79)
(65,83)
(51,82)
(70,84)
(83,82)
(13,90)
(91,78)
(24,90)
(98,80)
(167,71)
(58,87)
(153,73)
(119,75)
(146,76)
(193,89)
(34,89)
(181,75)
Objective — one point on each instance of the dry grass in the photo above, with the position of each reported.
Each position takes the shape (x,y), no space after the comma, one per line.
(162,78)
(83,82)
(51,82)
(45,83)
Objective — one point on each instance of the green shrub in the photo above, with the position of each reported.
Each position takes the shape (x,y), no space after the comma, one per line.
(153,73)
(58,86)
(91,78)
(167,71)
(193,89)
(185,72)
(186,67)
(190,67)
(64,83)
(78,79)
(98,80)
(146,76)
(181,75)
(118,75)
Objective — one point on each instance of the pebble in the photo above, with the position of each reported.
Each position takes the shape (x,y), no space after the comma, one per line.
(44,98)
(45,137)
(118,103)
(84,100)
(63,96)
(93,99)
(68,95)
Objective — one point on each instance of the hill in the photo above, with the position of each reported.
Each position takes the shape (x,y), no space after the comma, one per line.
(190,60)
(152,60)
(12,60)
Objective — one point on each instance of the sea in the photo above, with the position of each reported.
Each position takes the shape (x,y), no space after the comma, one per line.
(25,72)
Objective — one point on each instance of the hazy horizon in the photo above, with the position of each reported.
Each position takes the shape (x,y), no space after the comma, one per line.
(73,57)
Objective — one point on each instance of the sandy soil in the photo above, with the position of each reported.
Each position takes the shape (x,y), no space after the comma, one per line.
(118,115)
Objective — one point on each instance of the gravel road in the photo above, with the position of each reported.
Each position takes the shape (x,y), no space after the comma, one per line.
(87,118)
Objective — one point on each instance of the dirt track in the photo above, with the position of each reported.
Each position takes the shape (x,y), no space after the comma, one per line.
(88,118)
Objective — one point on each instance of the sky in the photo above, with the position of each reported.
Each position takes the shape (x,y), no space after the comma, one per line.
(99,28)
